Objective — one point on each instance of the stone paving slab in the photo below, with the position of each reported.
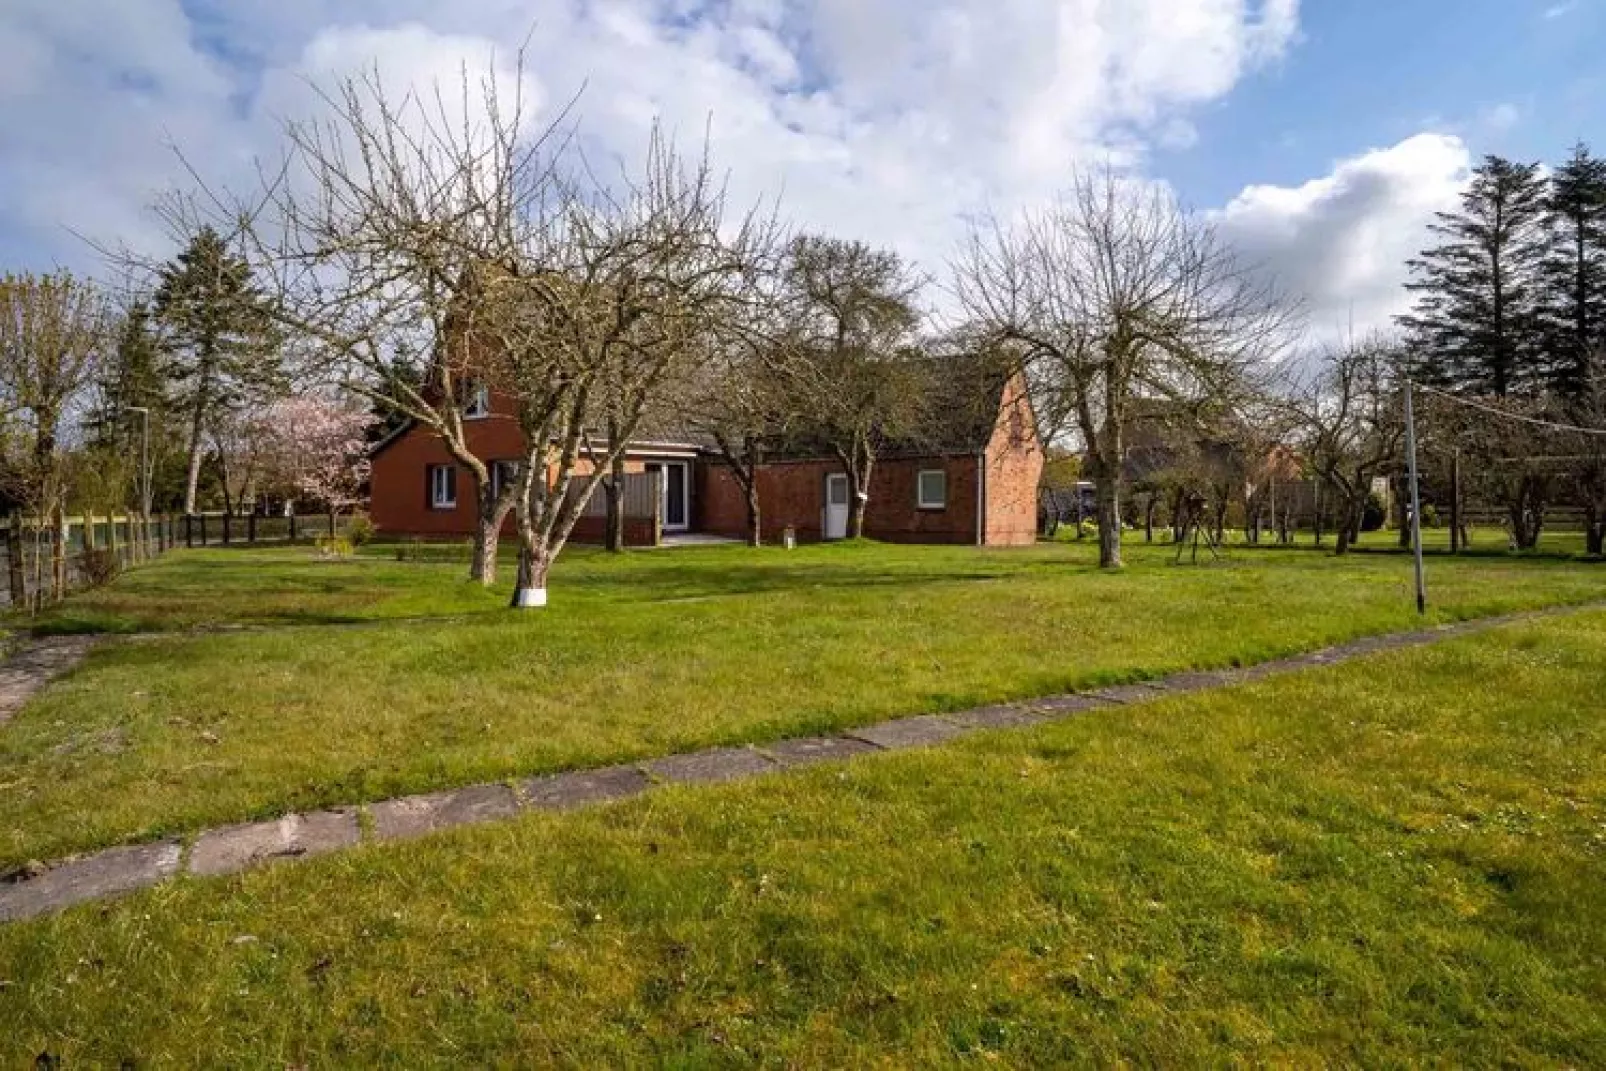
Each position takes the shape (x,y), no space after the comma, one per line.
(1059,705)
(920,731)
(565,791)
(1196,682)
(36,665)
(713,766)
(812,749)
(1003,716)
(1129,693)
(414,816)
(233,848)
(92,877)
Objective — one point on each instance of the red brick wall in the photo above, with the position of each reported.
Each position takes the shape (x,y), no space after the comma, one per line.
(1014,460)
(400,498)
(793,493)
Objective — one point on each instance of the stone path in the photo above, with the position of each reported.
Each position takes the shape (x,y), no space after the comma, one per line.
(36,665)
(39,888)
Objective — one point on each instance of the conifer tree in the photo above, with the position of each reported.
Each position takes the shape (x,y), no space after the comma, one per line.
(219,340)
(1575,270)
(1476,325)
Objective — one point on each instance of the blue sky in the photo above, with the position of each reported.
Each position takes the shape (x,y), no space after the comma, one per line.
(1321,134)
(1519,77)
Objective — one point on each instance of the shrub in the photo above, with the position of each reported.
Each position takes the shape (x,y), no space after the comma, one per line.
(334,546)
(360,530)
(1375,514)
(1430,516)
(99,566)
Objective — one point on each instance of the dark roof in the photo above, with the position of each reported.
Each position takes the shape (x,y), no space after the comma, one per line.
(962,395)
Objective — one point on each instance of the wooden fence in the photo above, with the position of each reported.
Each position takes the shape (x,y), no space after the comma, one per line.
(134,542)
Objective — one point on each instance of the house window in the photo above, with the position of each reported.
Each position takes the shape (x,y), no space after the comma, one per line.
(931,489)
(503,473)
(442,486)
(479,402)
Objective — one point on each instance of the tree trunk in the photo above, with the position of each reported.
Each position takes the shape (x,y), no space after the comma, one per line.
(488,520)
(1456,533)
(1343,528)
(755,532)
(613,490)
(1107,499)
(859,477)
(1402,511)
(1594,529)
(529,589)
(192,476)
(1148,519)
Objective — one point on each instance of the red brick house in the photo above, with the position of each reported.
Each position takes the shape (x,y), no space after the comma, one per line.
(973,479)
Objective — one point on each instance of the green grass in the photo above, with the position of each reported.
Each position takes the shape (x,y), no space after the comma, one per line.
(639,655)
(1396,862)
(256,588)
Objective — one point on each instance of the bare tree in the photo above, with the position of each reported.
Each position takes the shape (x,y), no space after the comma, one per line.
(1352,428)
(1116,292)
(740,398)
(852,362)
(53,330)
(617,293)
(370,236)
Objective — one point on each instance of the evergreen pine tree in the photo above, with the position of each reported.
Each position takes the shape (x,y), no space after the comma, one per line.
(219,340)
(1575,270)
(1476,324)
(133,377)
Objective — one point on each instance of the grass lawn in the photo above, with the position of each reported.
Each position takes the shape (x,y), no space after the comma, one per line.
(1399,861)
(640,655)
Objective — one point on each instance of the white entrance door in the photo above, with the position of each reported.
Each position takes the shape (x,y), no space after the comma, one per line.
(836,505)
(676,491)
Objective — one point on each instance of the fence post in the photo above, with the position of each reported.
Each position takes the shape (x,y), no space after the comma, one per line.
(15,574)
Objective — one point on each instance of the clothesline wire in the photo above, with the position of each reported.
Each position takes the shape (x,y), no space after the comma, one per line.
(1495,410)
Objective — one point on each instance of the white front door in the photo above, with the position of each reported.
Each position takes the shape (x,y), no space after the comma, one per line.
(836,505)
(675,487)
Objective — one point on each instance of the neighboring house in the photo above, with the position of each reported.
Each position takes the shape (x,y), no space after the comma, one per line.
(972,478)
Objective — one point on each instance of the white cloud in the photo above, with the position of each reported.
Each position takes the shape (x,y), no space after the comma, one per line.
(1342,240)
(887,120)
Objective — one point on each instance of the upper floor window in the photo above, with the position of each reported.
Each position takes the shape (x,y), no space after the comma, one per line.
(931,489)
(479,401)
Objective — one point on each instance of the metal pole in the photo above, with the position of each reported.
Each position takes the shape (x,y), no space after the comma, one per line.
(1416,502)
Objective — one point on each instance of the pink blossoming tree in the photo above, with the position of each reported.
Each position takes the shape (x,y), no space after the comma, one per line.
(319,450)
